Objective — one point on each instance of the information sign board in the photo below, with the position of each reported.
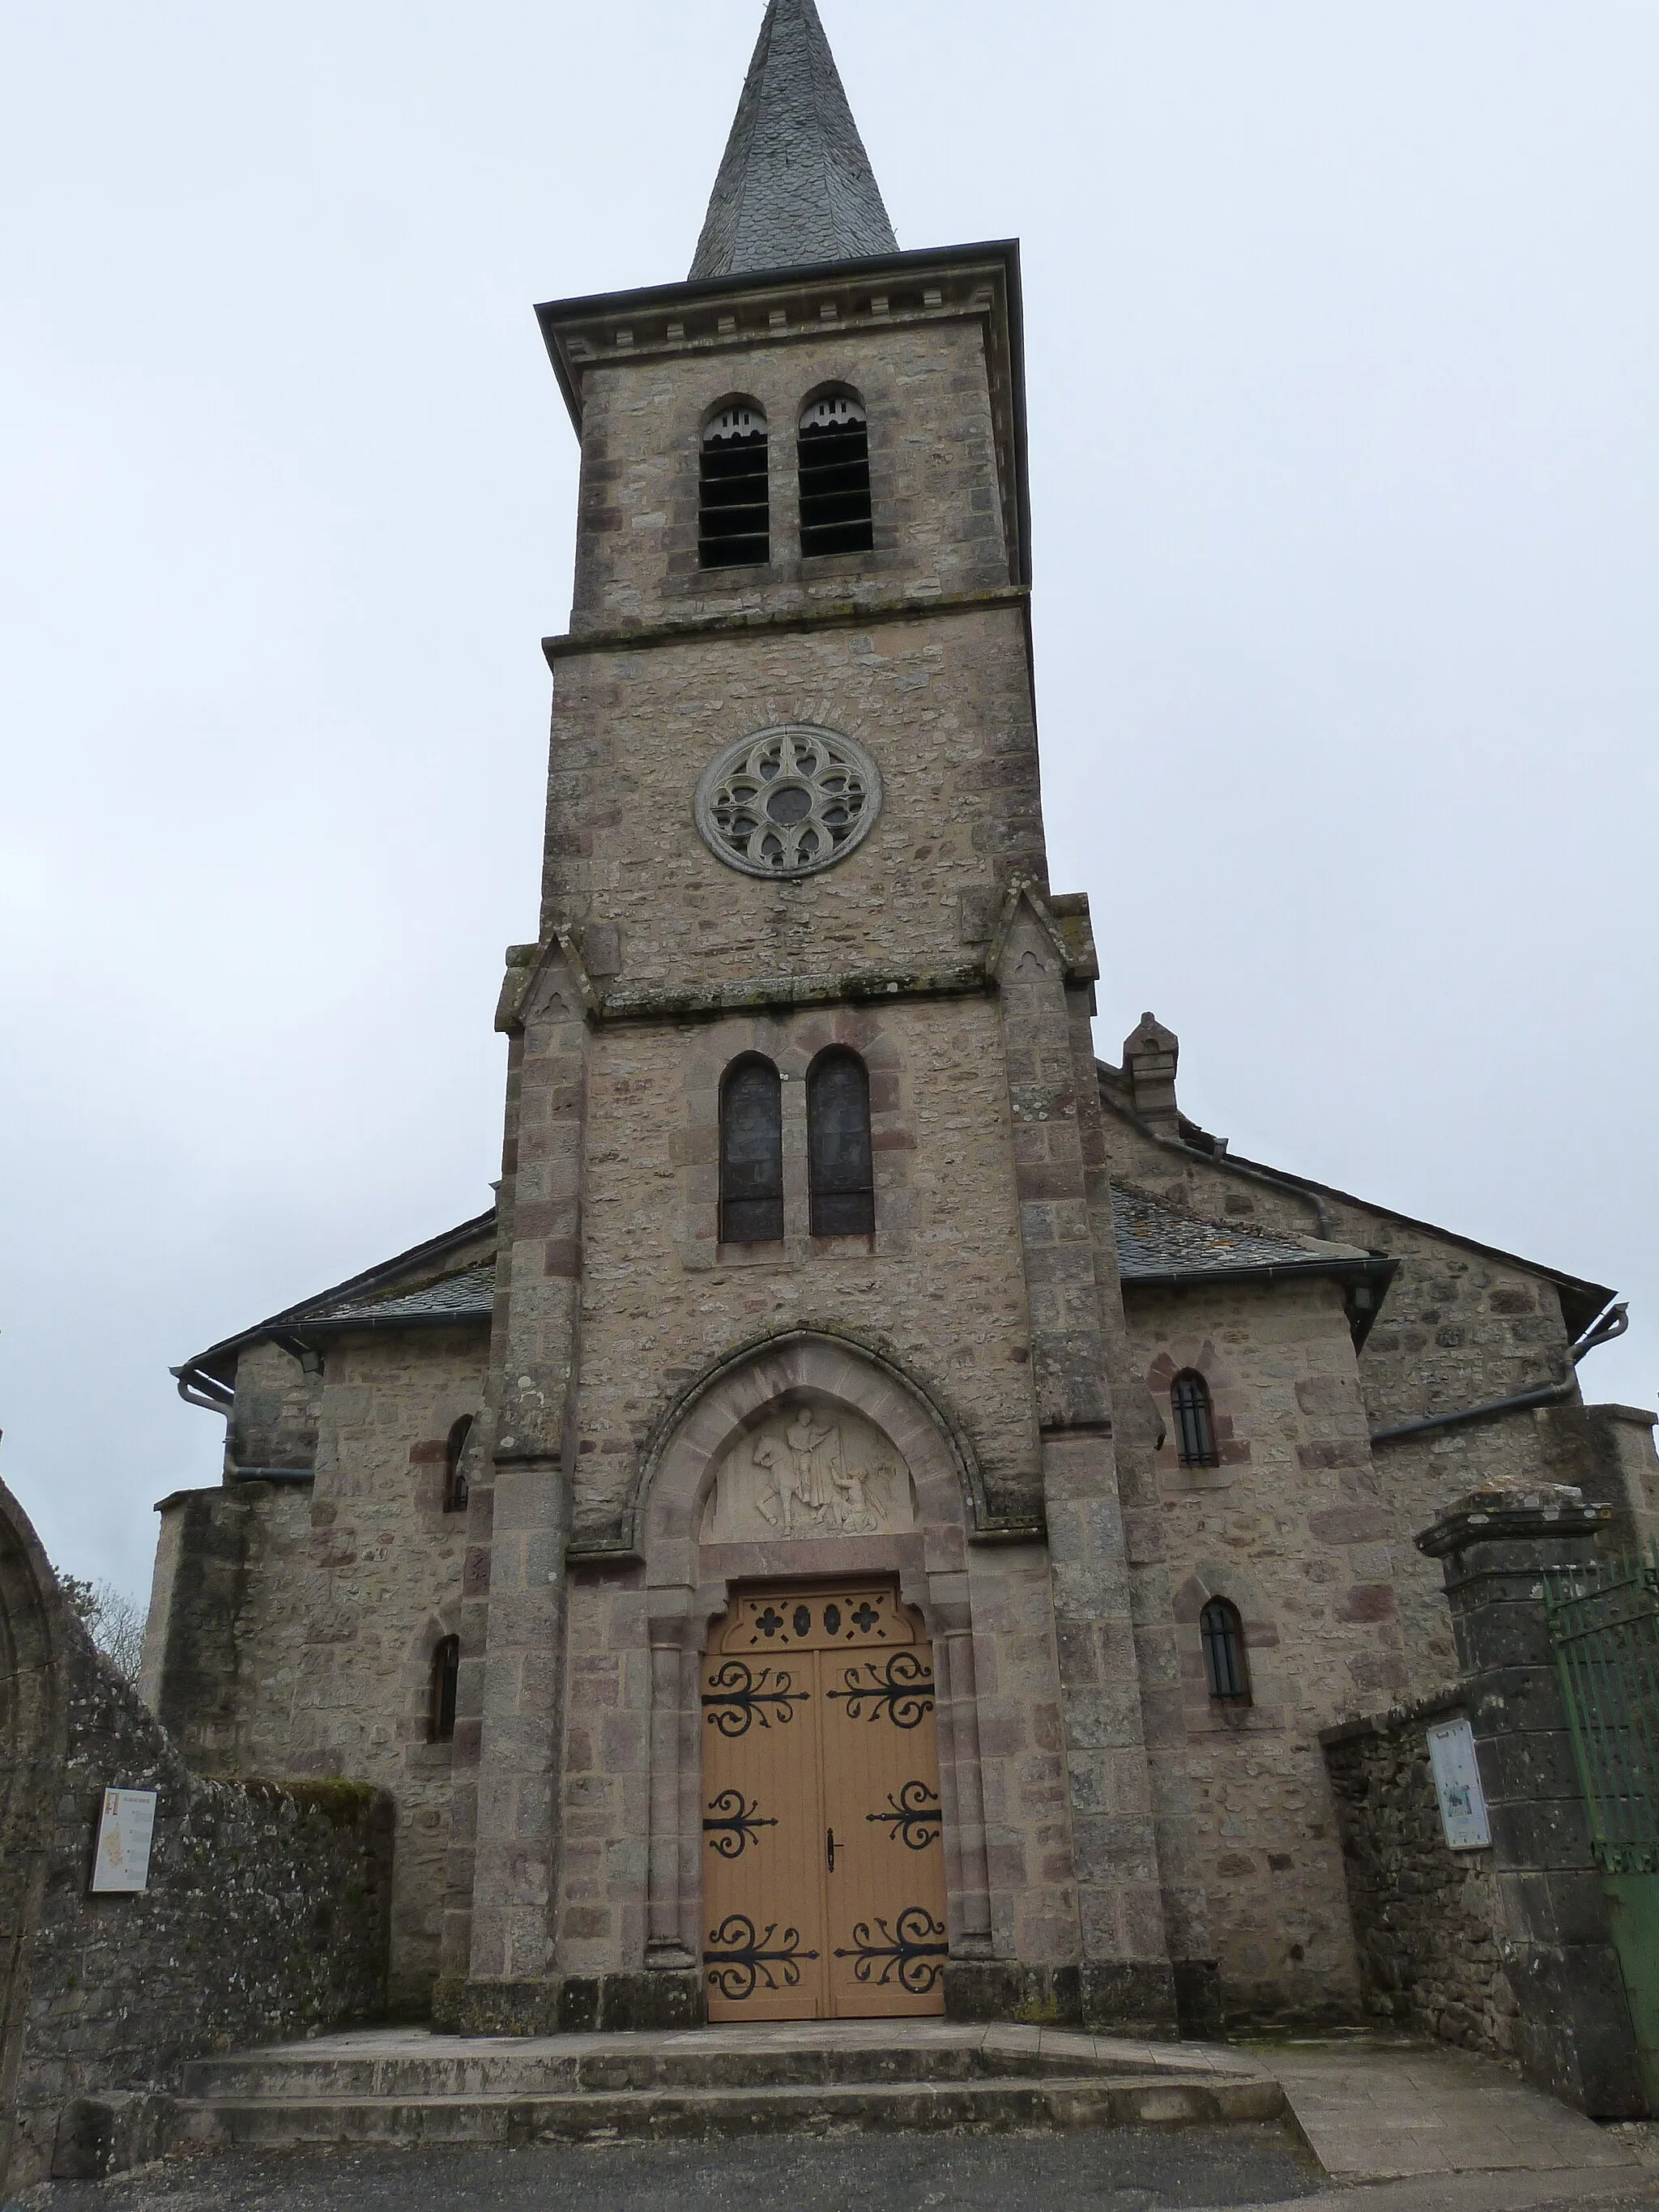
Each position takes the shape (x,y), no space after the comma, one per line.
(1458,1784)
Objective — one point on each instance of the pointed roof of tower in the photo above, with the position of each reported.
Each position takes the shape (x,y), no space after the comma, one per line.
(795,186)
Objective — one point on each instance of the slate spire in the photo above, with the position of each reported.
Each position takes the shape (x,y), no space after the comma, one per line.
(796,186)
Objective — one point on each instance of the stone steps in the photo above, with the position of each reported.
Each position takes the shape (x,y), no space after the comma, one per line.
(407,2089)
(586,2116)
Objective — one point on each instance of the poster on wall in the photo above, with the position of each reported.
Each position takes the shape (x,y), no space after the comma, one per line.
(120,1862)
(1457,1784)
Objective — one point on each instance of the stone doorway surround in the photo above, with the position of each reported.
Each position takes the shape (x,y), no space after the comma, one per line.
(688,1583)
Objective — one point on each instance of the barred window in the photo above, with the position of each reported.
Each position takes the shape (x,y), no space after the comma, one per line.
(1195,1420)
(441,1694)
(832,452)
(838,1146)
(734,526)
(1226,1669)
(455,1483)
(751,1153)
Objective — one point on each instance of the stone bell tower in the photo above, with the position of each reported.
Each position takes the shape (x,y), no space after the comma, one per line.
(806,1282)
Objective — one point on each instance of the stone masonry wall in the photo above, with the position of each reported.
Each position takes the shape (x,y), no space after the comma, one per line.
(1290,1528)
(942,701)
(1459,1327)
(266,1914)
(326,1602)
(932,473)
(941,1282)
(1425,1916)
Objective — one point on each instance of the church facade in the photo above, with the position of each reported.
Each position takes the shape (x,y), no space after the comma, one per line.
(875,1517)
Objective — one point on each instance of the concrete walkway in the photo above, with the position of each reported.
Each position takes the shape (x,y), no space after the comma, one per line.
(1380,2108)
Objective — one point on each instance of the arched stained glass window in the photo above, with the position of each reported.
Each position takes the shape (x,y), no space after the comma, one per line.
(1195,1420)
(833,450)
(455,1483)
(440,1696)
(734,526)
(1226,1669)
(751,1153)
(838,1146)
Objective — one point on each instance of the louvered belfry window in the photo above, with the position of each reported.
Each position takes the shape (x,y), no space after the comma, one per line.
(751,1154)
(834,450)
(838,1146)
(1195,1420)
(734,528)
(1226,1671)
(446,1675)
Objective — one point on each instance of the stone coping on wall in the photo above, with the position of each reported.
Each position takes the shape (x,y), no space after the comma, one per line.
(1396,1718)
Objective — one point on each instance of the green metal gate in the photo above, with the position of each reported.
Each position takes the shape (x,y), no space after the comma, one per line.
(1604,1626)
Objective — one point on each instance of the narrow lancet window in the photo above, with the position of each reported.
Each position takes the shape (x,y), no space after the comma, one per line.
(751,1154)
(838,1146)
(734,528)
(455,1483)
(1195,1420)
(440,1696)
(834,450)
(1226,1670)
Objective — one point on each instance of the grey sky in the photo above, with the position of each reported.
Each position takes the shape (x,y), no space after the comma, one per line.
(1342,331)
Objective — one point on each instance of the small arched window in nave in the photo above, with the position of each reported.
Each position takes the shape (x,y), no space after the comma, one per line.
(1195,1420)
(838,1146)
(441,1693)
(1226,1668)
(455,1483)
(734,526)
(751,1153)
(833,448)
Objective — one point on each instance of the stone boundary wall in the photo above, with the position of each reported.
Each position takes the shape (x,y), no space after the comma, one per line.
(1425,1916)
(266,1916)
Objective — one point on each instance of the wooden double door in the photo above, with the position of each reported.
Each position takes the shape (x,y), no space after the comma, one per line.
(824,1851)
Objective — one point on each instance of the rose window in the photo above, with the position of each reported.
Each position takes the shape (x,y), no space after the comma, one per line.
(787,801)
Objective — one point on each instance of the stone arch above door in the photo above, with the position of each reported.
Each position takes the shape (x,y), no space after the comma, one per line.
(892,1443)
(744,1389)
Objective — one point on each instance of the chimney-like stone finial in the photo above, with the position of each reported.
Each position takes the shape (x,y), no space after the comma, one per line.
(1149,1054)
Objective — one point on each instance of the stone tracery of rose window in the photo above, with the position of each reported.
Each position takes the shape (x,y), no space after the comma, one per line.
(788,801)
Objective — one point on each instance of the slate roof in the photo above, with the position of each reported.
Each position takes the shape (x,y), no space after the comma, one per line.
(469,1296)
(795,186)
(1155,1240)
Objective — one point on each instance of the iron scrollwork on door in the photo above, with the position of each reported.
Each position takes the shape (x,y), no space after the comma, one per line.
(901,1688)
(916,1820)
(735,1825)
(915,1950)
(742,1959)
(736,1698)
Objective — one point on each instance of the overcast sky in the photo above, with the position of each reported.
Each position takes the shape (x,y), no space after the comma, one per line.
(1342,326)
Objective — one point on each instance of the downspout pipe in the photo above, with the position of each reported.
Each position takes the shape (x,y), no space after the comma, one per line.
(196,1389)
(1614,1322)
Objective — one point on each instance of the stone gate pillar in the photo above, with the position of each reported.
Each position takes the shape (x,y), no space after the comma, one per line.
(1573,2033)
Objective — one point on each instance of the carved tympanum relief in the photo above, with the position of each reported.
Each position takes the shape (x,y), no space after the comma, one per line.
(810,1470)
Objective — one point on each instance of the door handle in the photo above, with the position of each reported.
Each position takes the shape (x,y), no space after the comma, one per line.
(829,1848)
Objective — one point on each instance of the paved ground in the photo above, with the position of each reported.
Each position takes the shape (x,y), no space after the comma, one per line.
(1379,2108)
(1401,2127)
(1111,2170)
